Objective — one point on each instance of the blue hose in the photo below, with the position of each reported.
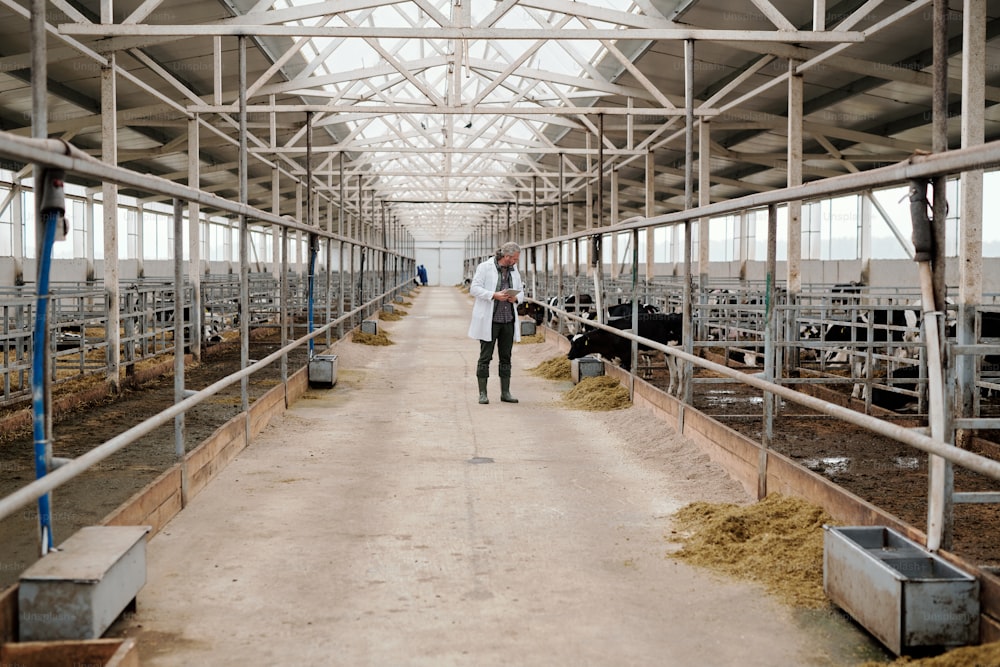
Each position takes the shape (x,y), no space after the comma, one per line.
(49,220)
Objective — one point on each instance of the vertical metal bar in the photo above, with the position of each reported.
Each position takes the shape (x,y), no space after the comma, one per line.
(704,198)
(340,230)
(793,274)
(819,15)
(686,392)
(616,269)
(558,231)
(940,471)
(534,224)
(244,238)
(179,332)
(597,258)
(767,437)
(109,196)
(650,211)
(970,233)
(194,241)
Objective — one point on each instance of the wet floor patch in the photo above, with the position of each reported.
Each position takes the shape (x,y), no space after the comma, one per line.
(828,465)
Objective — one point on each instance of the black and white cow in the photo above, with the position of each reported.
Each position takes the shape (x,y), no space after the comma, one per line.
(533,310)
(663,328)
(903,378)
(582,309)
(890,328)
(621,310)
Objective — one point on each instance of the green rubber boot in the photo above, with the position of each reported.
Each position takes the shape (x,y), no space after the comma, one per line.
(483,399)
(505,391)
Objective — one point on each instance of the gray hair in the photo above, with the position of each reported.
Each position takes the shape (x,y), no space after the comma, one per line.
(508,249)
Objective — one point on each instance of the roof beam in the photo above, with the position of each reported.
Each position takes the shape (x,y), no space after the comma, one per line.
(365,32)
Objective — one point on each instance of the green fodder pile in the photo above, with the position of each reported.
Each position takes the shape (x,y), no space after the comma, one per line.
(556,368)
(777,541)
(393,316)
(371,339)
(532,339)
(598,393)
(987,655)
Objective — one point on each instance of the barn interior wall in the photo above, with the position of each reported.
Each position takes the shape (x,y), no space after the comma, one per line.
(443,259)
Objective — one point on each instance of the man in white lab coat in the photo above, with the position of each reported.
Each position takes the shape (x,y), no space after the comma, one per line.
(494,315)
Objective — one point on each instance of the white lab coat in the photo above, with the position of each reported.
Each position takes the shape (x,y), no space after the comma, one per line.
(482,288)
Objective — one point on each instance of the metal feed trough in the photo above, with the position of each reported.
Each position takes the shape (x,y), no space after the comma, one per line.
(585,367)
(78,591)
(906,596)
(323,370)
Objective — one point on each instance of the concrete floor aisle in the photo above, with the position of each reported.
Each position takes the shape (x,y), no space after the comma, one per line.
(392,520)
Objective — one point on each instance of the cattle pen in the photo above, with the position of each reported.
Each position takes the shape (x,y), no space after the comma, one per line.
(238,419)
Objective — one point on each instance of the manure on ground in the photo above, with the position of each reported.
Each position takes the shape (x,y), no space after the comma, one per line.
(371,339)
(777,542)
(598,393)
(556,368)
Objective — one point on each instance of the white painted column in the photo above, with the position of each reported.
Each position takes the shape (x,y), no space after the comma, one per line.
(794,263)
(109,194)
(970,231)
(194,240)
(650,211)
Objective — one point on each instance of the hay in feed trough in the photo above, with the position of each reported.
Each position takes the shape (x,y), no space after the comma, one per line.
(777,542)
(556,368)
(532,339)
(371,339)
(598,393)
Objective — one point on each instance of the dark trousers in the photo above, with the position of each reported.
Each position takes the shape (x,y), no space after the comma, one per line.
(503,339)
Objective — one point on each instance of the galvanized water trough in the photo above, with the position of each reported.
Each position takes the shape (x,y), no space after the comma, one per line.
(906,596)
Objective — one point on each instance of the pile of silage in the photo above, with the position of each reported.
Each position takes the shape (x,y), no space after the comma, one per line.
(532,339)
(598,393)
(777,542)
(393,316)
(556,368)
(371,339)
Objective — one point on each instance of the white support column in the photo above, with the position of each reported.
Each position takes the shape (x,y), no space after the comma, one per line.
(18,217)
(744,243)
(865,231)
(140,240)
(970,232)
(276,231)
(616,267)
(650,211)
(109,194)
(217,70)
(704,198)
(90,224)
(794,263)
(819,15)
(194,240)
